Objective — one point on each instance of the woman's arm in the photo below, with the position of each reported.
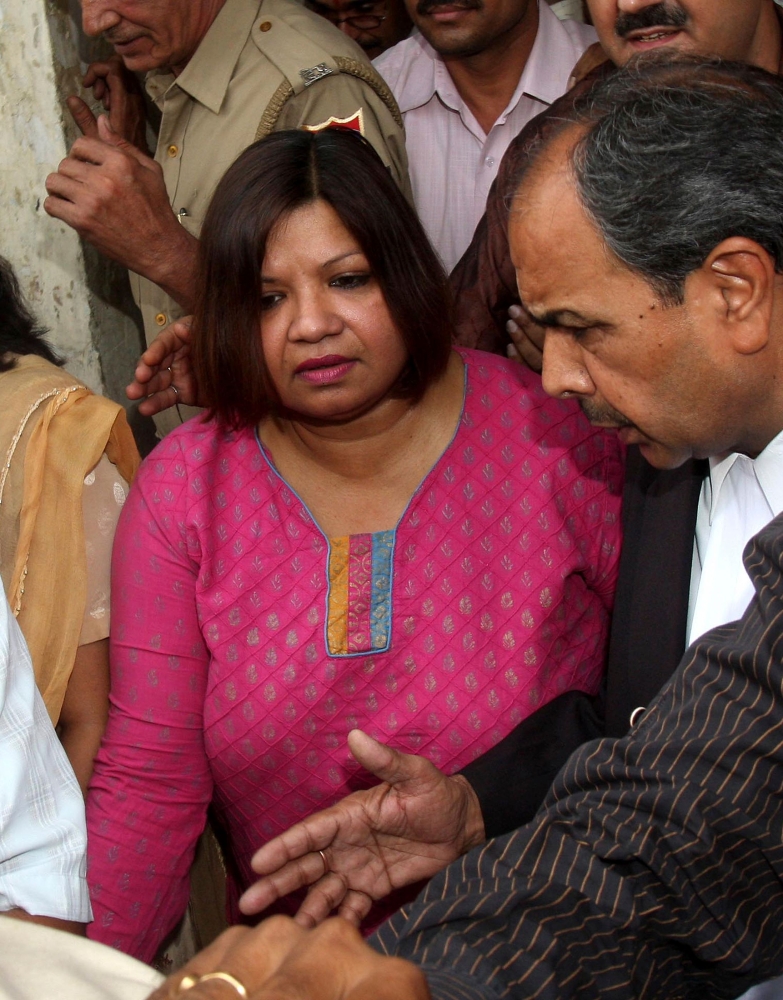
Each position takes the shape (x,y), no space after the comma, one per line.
(152,784)
(85,708)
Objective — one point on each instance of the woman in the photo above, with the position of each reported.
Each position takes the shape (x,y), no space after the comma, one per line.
(371,529)
(67,458)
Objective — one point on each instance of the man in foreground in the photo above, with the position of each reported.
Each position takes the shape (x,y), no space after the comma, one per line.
(223,73)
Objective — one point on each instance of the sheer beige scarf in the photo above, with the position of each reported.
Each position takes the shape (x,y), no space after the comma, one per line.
(53,431)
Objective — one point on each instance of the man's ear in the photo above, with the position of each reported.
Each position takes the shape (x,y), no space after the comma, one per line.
(738,281)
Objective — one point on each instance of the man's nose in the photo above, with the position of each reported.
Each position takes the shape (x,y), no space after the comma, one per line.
(564,373)
(98,16)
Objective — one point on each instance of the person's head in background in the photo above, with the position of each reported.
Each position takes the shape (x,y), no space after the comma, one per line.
(376,25)
(20,333)
(742,30)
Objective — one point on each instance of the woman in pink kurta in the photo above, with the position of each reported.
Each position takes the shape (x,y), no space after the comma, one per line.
(247,643)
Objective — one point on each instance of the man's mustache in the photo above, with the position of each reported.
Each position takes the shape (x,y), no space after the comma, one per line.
(660,15)
(427,6)
(598,414)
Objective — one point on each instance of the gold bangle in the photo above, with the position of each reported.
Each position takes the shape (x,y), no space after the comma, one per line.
(188,982)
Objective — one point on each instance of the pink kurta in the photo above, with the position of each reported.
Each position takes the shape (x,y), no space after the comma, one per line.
(246,645)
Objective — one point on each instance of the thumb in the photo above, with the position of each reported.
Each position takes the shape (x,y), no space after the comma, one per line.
(107,133)
(83,116)
(382,761)
(113,138)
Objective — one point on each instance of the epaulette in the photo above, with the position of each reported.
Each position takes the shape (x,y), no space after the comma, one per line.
(304,60)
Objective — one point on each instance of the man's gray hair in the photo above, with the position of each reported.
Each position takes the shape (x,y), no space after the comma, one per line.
(677,157)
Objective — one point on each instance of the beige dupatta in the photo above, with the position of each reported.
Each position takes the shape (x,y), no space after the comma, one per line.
(53,431)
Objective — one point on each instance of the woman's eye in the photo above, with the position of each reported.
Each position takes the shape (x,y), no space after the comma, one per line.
(348,281)
(270,300)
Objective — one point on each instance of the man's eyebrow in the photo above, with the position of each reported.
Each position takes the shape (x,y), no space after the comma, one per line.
(558,317)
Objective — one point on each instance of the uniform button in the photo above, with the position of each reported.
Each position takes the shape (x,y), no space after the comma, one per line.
(637,714)
(173,150)
(161,319)
(489,161)
(265,26)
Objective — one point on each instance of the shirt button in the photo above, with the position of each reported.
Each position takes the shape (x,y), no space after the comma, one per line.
(637,714)
(160,319)
(265,26)
(490,162)
(173,150)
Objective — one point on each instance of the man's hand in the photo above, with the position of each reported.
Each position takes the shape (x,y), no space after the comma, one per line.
(527,338)
(118,91)
(114,196)
(406,829)
(164,375)
(278,959)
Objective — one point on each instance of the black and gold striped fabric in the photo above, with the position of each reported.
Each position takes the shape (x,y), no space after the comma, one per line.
(654,869)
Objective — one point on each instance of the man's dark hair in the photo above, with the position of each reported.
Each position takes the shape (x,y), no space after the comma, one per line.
(19,330)
(267,182)
(679,155)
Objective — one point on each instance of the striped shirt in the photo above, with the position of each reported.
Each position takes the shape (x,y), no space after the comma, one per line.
(654,869)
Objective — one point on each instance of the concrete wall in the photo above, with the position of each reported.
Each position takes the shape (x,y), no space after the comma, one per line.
(83,300)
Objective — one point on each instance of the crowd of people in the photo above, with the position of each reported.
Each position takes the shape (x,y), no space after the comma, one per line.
(451,598)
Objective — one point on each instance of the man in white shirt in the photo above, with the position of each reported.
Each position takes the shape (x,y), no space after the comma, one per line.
(472,75)
(43,836)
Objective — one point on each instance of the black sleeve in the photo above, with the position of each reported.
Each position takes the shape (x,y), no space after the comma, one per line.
(513,777)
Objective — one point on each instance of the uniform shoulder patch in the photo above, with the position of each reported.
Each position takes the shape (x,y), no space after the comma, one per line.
(354,121)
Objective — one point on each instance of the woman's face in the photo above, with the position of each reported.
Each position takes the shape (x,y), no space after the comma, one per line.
(329,343)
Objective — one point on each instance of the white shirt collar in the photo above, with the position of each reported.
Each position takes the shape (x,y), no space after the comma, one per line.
(767,466)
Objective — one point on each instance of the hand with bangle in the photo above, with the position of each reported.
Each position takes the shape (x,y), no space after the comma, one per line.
(281,959)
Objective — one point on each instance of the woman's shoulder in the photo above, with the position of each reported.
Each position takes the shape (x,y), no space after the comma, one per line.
(197,444)
(506,405)
(494,381)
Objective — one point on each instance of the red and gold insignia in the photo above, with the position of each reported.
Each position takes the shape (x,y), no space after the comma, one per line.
(354,121)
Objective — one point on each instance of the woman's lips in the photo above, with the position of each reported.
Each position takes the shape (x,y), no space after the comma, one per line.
(325,370)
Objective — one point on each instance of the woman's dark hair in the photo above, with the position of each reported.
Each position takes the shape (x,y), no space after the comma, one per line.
(268,181)
(19,331)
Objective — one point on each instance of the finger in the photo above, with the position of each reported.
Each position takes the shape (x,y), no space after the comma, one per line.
(107,134)
(167,343)
(355,907)
(314,834)
(158,402)
(381,760)
(155,382)
(96,72)
(281,881)
(323,897)
(83,116)
(75,170)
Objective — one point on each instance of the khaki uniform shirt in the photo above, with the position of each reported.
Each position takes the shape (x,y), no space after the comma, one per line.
(264,65)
